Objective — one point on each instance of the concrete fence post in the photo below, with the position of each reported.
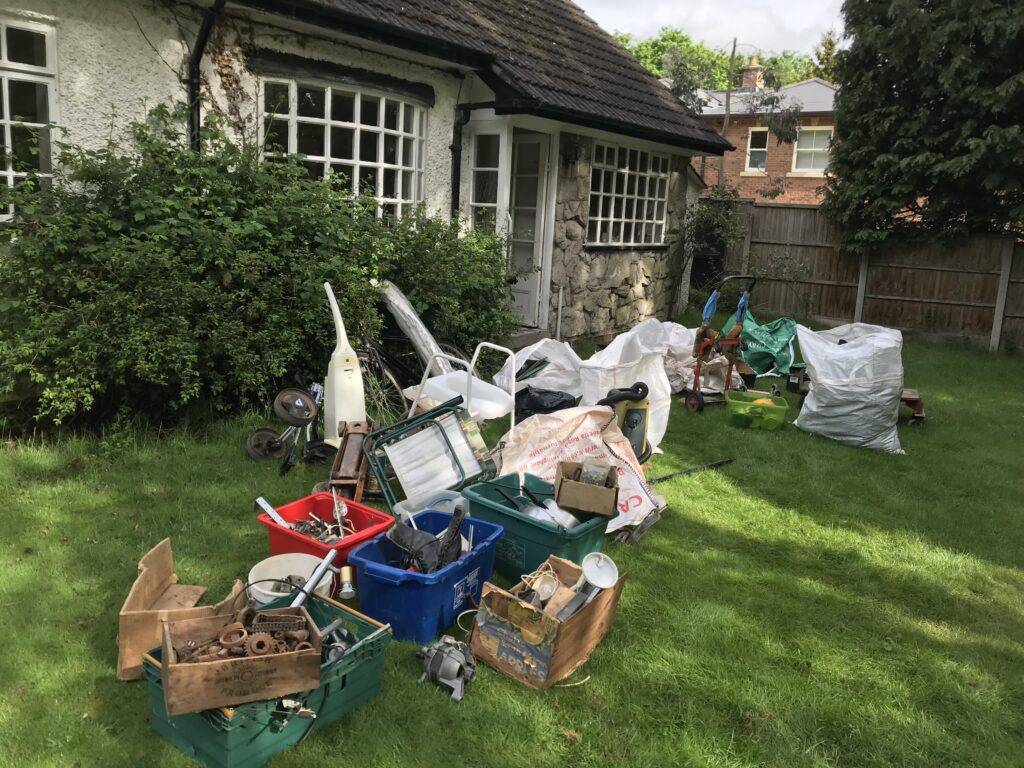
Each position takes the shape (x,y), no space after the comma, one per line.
(862,287)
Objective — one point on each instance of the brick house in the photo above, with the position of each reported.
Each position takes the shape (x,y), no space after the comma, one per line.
(523,117)
(762,168)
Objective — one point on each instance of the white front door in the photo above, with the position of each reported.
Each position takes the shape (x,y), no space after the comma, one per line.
(526,222)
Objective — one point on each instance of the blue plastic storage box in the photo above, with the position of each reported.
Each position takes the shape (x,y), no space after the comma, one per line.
(419,606)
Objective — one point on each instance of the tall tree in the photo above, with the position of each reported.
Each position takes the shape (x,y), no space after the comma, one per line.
(930,138)
(824,64)
(787,67)
(712,64)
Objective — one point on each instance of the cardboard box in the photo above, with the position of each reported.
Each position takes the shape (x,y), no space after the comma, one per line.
(584,497)
(536,649)
(156,597)
(196,686)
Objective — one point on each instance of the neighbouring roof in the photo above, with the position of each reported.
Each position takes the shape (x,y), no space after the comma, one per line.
(815,96)
(541,57)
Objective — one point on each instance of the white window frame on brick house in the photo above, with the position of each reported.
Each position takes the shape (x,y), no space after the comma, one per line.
(398,182)
(12,168)
(812,172)
(628,195)
(750,149)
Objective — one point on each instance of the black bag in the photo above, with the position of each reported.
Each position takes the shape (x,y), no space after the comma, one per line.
(531,400)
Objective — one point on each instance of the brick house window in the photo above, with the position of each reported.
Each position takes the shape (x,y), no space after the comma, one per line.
(628,196)
(28,76)
(811,151)
(757,149)
(374,140)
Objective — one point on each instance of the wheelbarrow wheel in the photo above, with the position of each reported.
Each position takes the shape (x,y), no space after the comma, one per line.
(295,407)
(264,443)
(694,401)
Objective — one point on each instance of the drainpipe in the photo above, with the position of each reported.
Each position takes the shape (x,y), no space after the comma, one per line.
(194,81)
(461,118)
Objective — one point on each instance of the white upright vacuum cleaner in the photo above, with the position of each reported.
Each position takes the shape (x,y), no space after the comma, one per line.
(344,399)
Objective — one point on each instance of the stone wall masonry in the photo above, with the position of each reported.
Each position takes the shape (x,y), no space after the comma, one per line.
(607,290)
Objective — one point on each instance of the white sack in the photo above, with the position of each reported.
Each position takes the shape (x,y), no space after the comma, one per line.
(538,444)
(562,373)
(855,387)
(636,355)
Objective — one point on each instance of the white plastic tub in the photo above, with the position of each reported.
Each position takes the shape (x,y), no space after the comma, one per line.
(281,567)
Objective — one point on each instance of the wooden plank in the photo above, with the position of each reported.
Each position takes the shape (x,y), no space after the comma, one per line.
(1004,284)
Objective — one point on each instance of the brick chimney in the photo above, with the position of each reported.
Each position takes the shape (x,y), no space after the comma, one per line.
(752,75)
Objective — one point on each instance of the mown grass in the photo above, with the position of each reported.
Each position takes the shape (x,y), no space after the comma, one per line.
(808,605)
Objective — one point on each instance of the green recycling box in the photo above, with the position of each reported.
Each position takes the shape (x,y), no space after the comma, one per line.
(249,735)
(528,542)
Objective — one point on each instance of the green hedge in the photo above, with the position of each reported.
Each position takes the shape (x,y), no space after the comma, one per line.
(147,279)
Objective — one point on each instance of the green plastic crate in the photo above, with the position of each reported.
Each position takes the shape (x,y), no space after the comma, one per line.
(527,542)
(249,735)
(740,410)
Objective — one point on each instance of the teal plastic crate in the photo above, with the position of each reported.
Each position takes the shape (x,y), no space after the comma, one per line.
(249,735)
(528,542)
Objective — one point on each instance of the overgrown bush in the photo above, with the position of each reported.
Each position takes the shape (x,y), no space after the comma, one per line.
(150,279)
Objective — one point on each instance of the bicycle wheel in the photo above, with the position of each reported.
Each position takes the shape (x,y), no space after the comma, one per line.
(385,403)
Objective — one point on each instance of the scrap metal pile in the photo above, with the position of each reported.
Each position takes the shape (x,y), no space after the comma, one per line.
(250,634)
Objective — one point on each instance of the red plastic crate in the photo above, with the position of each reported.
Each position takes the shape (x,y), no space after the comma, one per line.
(367,522)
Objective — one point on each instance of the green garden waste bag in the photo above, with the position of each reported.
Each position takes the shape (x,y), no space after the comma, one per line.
(768,346)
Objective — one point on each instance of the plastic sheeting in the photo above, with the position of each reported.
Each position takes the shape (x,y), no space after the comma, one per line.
(540,443)
(411,324)
(855,390)
(636,355)
(562,373)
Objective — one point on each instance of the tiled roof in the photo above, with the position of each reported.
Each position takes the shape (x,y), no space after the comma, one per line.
(815,96)
(546,54)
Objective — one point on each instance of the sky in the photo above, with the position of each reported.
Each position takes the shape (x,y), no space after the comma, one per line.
(757,24)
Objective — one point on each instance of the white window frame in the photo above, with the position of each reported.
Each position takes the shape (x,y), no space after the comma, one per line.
(819,172)
(26,72)
(474,169)
(628,218)
(399,203)
(750,136)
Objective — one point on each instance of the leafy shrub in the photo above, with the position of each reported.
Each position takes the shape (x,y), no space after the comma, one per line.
(150,279)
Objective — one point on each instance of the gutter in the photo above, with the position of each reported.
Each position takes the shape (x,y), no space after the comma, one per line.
(194,77)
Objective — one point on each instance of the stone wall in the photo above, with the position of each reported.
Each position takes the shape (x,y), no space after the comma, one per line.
(606,290)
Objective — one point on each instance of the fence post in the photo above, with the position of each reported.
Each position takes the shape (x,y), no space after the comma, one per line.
(748,216)
(862,287)
(1004,285)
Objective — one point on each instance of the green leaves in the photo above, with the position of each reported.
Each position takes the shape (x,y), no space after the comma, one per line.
(151,279)
(929,139)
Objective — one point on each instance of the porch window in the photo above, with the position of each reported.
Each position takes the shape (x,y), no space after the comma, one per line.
(757,149)
(374,140)
(811,151)
(484,195)
(27,85)
(628,196)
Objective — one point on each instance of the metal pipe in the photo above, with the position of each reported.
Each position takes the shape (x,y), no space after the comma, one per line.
(558,316)
(461,118)
(194,80)
(314,579)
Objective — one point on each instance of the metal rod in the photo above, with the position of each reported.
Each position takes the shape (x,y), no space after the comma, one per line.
(314,578)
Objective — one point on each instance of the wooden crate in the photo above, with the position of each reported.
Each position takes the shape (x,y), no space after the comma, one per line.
(196,686)
(538,650)
(156,597)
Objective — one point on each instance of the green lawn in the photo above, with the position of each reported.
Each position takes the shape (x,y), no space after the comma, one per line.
(809,605)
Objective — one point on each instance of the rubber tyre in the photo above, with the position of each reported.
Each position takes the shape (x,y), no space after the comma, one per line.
(265,443)
(295,407)
(694,401)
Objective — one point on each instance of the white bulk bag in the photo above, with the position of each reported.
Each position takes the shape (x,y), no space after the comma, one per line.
(855,386)
(636,355)
(562,373)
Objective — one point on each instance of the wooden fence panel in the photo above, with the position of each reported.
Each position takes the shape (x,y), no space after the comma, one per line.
(950,289)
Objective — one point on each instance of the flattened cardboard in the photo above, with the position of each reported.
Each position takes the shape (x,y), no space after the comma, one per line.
(532,647)
(196,686)
(156,597)
(583,497)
